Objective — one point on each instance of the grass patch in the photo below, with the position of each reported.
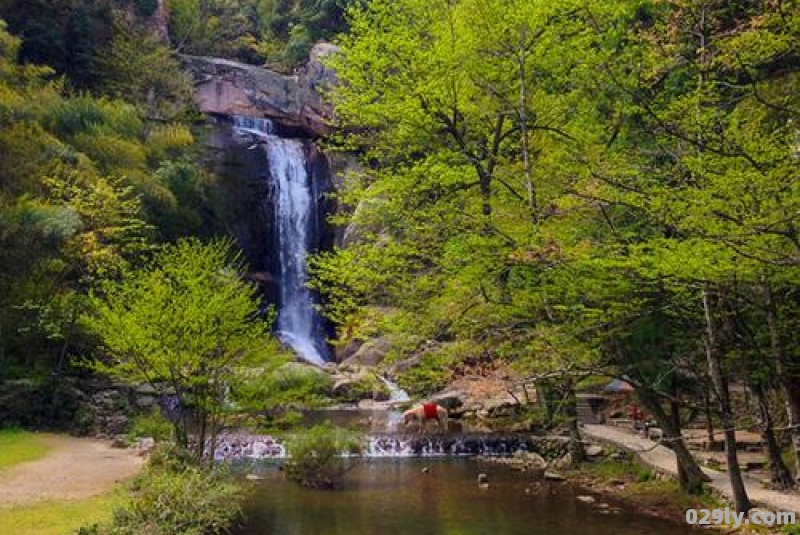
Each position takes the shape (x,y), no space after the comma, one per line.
(621,470)
(639,486)
(667,494)
(18,446)
(56,518)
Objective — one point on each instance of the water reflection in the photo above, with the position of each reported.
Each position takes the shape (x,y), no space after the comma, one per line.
(394,497)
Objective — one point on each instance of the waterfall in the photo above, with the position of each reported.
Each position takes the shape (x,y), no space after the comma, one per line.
(295,216)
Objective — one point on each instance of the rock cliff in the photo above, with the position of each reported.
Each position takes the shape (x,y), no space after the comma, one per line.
(295,103)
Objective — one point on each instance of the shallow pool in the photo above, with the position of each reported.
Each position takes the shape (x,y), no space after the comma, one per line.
(396,497)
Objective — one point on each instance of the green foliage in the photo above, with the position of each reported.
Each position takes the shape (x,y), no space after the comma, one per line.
(139,67)
(68,35)
(186,320)
(321,456)
(791,529)
(281,385)
(556,184)
(434,371)
(280,32)
(79,178)
(151,424)
(56,517)
(422,105)
(43,403)
(191,501)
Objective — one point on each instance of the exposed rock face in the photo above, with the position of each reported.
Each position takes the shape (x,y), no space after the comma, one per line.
(246,202)
(245,196)
(225,87)
(358,385)
(370,353)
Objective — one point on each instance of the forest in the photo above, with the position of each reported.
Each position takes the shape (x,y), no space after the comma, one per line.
(559,194)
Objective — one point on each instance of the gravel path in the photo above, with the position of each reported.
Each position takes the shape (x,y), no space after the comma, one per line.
(661,459)
(75,468)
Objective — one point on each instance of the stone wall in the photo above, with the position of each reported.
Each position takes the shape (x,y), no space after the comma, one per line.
(96,406)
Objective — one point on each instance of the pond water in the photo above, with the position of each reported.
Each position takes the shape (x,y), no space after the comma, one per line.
(395,497)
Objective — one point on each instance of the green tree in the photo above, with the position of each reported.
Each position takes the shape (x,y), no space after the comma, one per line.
(187,324)
(142,69)
(318,457)
(560,185)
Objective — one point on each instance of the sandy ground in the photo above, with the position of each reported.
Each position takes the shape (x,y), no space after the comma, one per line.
(75,468)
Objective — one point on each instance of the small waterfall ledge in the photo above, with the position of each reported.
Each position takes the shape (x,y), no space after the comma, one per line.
(250,447)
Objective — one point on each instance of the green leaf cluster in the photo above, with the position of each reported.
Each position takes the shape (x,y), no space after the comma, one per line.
(187,324)
(556,183)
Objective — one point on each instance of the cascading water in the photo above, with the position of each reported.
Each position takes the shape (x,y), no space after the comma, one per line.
(295,213)
(233,447)
(396,394)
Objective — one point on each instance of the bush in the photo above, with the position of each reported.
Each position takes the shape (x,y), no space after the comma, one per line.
(433,372)
(152,424)
(321,456)
(44,403)
(279,389)
(791,529)
(175,499)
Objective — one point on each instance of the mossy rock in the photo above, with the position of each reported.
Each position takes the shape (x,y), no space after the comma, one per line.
(362,385)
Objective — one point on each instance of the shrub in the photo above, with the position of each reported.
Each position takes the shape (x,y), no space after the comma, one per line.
(791,529)
(175,498)
(152,424)
(278,389)
(433,372)
(321,456)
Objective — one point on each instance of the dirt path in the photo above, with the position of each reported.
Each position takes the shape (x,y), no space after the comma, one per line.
(74,468)
(661,459)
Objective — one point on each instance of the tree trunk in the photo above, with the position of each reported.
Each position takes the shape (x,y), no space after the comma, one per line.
(690,476)
(575,444)
(780,472)
(545,390)
(711,438)
(790,384)
(70,331)
(486,195)
(740,499)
